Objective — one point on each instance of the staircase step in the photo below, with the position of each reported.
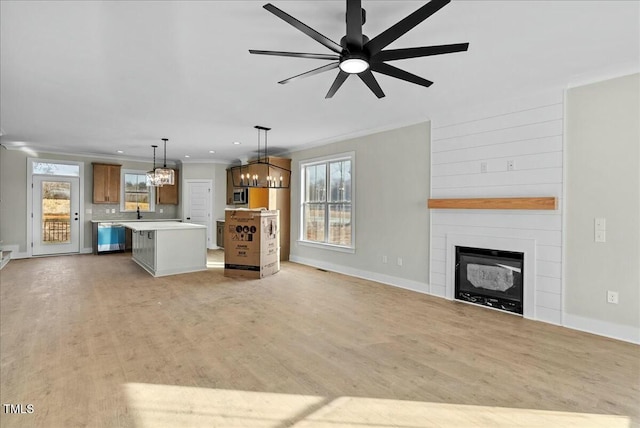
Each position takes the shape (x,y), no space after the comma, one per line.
(6,256)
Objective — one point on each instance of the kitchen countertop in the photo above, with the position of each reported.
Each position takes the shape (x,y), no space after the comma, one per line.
(158,225)
(120,220)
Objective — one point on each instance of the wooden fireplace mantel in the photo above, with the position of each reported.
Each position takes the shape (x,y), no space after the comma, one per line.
(537,203)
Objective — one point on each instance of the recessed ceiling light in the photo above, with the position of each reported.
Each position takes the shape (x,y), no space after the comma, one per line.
(212,151)
(187,156)
(237,143)
(119,151)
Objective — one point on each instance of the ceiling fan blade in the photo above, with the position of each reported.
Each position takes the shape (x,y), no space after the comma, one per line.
(392,33)
(340,78)
(368,78)
(311,72)
(354,24)
(304,28)
(394,54)
(392,71)
(295,54)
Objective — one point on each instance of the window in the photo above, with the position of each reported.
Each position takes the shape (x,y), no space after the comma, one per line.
(327,201)
(135,192)
(51,168)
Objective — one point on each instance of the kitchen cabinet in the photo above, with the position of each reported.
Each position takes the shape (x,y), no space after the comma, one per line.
(169,195)
(144,249)
(106,183)
(229,188)
(220,233)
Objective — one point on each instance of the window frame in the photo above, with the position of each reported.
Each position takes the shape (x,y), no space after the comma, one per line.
(123,191)
(327,160)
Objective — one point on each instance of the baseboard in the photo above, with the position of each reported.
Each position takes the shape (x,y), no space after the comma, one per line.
(15,254)
(602,328)
(87,250)
(407,284)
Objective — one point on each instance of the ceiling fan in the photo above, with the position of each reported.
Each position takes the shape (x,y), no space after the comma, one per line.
(356,54)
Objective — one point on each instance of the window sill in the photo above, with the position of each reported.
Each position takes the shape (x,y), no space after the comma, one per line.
(330,247)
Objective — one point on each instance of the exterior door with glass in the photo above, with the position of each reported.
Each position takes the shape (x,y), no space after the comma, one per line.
(56,220)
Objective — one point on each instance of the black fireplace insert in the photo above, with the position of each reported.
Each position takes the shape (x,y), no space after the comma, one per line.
(490,278)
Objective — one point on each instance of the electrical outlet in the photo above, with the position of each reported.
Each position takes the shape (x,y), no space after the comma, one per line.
(599,229)
(399,261)
(483,167)
(511,165)
(384,259)
(107,211)
(612,297)
(161,210)
(113,210)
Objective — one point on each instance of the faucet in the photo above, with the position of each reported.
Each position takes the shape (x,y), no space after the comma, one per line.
(138,212)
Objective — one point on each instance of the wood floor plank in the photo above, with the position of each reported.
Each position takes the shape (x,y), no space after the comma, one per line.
(79,335)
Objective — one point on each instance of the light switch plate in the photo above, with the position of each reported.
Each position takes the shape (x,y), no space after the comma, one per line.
(600,236)
(600,223)
(483,167)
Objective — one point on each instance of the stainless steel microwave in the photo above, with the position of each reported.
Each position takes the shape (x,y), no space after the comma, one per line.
(240,196)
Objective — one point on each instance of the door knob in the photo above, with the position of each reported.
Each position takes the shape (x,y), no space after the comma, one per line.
(188,218)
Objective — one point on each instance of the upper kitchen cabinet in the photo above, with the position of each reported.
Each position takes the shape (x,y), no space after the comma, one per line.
(106,183)
(169,195)
(229,187)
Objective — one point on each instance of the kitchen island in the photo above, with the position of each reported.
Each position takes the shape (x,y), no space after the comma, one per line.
(108,235)
(167,247)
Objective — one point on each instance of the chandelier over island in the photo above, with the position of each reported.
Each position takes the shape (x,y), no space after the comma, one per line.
(263,172)
(160,176)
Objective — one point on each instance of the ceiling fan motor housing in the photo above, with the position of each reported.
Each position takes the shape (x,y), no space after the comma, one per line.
(356,54)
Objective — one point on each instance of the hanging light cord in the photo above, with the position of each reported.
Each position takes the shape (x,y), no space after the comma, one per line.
(165,151)
(154,155)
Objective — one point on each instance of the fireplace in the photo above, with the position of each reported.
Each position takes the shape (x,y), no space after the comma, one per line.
(489,277)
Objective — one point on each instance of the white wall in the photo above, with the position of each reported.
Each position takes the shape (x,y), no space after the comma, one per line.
(529,132)
(603,180)
(14,219)
(210,171)
(217,173)
(392,187)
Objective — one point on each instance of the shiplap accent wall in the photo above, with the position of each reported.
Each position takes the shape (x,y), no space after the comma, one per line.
(528,132)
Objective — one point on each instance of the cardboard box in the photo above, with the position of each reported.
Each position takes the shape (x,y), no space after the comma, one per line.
(252,244)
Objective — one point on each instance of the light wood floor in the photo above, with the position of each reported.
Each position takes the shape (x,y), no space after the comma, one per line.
(95,341)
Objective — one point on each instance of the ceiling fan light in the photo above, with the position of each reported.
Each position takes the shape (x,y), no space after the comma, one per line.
(354,65)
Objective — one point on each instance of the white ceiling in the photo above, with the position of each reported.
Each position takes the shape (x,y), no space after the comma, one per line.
(95,77)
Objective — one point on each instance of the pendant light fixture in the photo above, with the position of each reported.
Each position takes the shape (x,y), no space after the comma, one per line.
(160,176)
(261,173)
(151,175)
(164,176)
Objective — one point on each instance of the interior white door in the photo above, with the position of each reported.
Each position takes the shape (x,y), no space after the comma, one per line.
(198,208)
(56,215)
